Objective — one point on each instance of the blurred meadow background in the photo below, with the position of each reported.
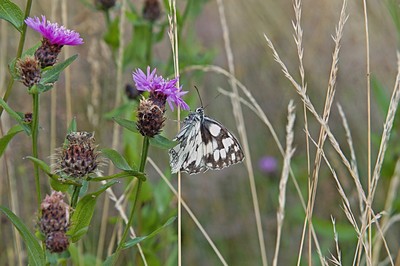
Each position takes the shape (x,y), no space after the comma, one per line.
(94,90)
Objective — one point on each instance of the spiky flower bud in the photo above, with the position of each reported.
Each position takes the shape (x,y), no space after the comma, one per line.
(150,118)
(28,118)
(57,242)
(104,4)
(79,158)
(55,213)
(151,10)
(29,71)
(55,221)
(47,53)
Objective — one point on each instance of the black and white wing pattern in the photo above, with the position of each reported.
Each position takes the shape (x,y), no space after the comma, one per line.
(204,144)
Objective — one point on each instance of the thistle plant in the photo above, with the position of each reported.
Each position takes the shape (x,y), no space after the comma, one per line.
(65,215)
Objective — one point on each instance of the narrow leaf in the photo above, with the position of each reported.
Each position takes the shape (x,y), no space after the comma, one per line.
(83,213)
(117,159)
(11,13)
(128,124)
(52,75)
(137,240)
(162,142)
(72,126)
(35,252)
(8,137)
(40,163)
(18,117)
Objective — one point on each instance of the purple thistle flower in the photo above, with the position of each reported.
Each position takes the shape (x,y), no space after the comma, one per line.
(55,34)
(157,85)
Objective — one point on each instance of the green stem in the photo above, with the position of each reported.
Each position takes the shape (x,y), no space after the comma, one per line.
(145,149)
(19,52)
(75,196)
(181,22)
(149,44)
(35,132)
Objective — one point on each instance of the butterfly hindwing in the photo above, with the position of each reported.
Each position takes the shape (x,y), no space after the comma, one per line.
(222,148)
(204,144)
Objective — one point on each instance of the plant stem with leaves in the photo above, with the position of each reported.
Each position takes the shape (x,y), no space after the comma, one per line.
(145,149)
(19,52)
(35,132)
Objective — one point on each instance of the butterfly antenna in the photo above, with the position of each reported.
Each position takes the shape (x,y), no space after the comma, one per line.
(198,93)
(219,94)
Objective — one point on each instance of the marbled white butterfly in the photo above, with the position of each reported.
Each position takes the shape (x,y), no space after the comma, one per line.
(203,144)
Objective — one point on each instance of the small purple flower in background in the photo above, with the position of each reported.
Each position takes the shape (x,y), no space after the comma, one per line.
(268,164)
(151,111)
(54,38)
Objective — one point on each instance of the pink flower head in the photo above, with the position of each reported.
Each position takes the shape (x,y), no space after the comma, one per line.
(55,34)
(157,84)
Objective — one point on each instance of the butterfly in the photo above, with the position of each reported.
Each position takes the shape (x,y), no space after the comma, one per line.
(204,144)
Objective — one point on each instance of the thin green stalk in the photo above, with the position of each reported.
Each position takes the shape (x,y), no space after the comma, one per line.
(75,196)
(35,132)
(145,149)
(149,51)
(182,22)
(19,52)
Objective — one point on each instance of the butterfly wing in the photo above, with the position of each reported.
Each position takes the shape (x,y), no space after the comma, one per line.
(188,154)
(221,147)
(204,144)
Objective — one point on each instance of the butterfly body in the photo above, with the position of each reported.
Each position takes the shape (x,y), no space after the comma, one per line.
(204,144)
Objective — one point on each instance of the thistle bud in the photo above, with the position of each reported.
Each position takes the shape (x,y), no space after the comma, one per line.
(47,53)
(150,118)
(104,4)
(80,157)
(57,242)
(29,71)
(151,10)
(28,118)
(55,213)
(55,221)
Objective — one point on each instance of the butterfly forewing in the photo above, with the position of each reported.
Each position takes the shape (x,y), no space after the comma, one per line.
(222,148)
(204,144)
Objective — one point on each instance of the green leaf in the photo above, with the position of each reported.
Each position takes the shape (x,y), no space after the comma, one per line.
(57,185)
(111,37)
(117,159)
(110,261)
(162,142)
(139,239)
(35,252)
(83,213)
(72,126)
(121,109)
(12,13)
(380,95)
(8,137)
(50,76)
(128,124)
(29,52)
(18,117)
(41,164)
